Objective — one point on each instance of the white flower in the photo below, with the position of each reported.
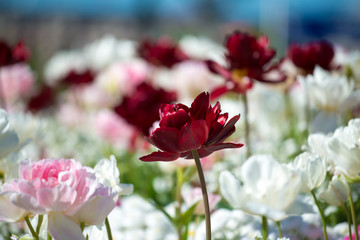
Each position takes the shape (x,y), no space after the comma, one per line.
(327,91)
(344,149)
(268,189)
(108,174)
(312,169)
(338,191)
(9,141)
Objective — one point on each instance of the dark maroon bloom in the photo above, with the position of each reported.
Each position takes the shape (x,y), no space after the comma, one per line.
(75,78)
(8,55)
(314,53)
(141,108)
(248,59)
(43,99)
(182,129)
(162,53)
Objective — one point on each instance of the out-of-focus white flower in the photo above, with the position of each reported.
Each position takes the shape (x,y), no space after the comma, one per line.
(101,53)
(8,138)
(338,191)
(108,174)
(59,65)
(202,48)
(268,188)
(138,219)
(312,169)
(344,150)
(121,78)
(327,91)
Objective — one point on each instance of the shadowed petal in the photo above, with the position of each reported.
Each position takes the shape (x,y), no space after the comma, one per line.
(206,151)
(200,106)
(218,69)
(160,156)
(193,135)
(62,227)
(166,139)
(228,129)
(8,211)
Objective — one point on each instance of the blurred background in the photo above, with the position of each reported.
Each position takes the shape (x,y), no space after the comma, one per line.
(48,26)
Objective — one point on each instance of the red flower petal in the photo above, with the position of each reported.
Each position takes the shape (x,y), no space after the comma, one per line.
(218,69)
(193,135)
(200,106)
(166,139)
(175,120)
(206,151)
(228,129)
(160,156)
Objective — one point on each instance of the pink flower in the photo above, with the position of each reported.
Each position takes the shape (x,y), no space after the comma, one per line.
(15,81)
(68,192)
(193,195)
(352,235)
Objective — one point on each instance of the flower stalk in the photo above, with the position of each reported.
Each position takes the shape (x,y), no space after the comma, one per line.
(279,229)
(264,227)
(321,214)
(204,194)
(179,182)
(348,217)
(353,215)
(38,227)
(247,125)
(108,229)
(34,234)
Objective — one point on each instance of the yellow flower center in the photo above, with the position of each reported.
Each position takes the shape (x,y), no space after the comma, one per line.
(238,75)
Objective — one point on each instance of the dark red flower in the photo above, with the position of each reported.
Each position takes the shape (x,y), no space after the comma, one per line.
(75,78)
(141,108)
(42,99)
(314,53)
(161,53)
(248,59)
(8,55)
(182,129)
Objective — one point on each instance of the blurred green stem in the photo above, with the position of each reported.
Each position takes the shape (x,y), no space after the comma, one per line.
(247,125)
(35,235)
(108,229)
(38,227)
(321,214)
(279,229)
(353,215)
(204,194)
(264,228)
(348,217)
(179,183)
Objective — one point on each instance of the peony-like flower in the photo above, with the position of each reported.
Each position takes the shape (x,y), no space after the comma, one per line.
(43,98)
(68,192)
(306,57)
(268,188)
(247,59)
(338,191)
(78,78)
(9,56)
(161,53)
(141,108)
(312,169)
(344,151)
(182,129)
(327,91)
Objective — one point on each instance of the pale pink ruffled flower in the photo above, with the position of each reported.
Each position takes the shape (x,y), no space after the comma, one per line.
(193,195)
(64,190)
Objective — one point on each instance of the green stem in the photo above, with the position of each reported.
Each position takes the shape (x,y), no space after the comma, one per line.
(179,182)
(35,235)
(49,236)
(204,194)
(279,229)
(264,228)
(321,214)
(82,226)
(353,215)
(108,229)
(247,125)
(348,218)
(38,227)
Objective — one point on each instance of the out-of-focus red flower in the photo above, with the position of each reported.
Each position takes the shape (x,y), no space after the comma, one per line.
(8,55)
(164,52)
(43,99)
(141,108)
(182,129)
(75,78)
(248,60)
(309,55)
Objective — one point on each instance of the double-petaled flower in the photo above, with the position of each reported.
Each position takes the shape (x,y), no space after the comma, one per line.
(183,129)
(8,56)
(248,59)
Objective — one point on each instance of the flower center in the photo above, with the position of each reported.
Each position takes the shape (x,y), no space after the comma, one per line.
(238,75)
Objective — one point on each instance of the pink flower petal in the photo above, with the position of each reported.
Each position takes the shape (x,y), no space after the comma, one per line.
(62,227)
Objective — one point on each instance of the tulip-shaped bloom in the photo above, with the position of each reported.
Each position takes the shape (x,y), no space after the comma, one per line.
(247,59)
(314,53)
(182,129)
(338,191)
(312,169)
(68,192)
(327,91)
(268,188)
(343,149)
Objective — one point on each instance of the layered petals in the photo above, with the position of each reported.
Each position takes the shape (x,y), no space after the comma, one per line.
(63,227)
